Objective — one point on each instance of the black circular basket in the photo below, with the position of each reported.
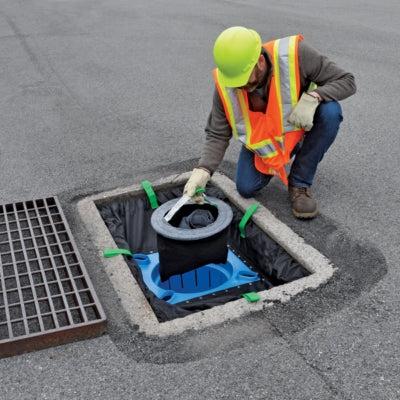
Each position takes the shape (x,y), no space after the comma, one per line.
(182,250)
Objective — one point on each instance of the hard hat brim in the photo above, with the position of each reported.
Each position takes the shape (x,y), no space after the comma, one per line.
(236,81)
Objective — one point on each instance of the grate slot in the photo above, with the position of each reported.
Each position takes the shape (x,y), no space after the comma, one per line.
(46,296)
(11,331)
(54,269)
(63,255)
(39,259)
(27,292)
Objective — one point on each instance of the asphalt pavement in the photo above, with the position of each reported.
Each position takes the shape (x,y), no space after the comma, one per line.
(102,94)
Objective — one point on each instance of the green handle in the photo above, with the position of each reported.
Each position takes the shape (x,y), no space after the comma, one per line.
(247,215)
(252,297)
(200,190)
(146,185)
(108,253)
(312,87)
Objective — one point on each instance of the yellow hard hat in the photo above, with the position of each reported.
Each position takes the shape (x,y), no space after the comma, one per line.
(236,52)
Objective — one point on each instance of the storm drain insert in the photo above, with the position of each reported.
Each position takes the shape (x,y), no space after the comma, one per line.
(46,297)
(128,221)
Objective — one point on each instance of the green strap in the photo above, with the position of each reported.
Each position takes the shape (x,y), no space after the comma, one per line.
(252,297)
(107,253)
(146,185)
(247,215)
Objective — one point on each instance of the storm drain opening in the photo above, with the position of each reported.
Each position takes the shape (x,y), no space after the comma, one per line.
(271,261)
(46,296)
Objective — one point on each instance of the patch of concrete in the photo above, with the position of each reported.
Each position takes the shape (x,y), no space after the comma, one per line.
(132,298)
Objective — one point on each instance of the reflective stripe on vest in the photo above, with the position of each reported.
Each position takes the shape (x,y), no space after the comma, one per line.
(285,78)
(236,110)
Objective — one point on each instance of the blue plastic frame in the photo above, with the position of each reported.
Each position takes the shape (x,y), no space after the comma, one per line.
(208,279)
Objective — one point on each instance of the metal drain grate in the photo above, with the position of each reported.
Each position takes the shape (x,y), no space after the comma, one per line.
(46,297)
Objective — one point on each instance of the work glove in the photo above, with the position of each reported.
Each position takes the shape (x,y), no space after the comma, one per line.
(303,113)
(198,179)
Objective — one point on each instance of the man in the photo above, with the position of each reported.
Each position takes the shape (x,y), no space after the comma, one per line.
(280,100)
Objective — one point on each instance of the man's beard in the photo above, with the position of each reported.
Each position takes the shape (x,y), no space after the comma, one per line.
(261,79)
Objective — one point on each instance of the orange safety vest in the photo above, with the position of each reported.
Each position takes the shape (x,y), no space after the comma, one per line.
(268,134)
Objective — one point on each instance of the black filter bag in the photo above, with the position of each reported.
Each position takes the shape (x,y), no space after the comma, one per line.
(197,219)
(128,220)
(177,257)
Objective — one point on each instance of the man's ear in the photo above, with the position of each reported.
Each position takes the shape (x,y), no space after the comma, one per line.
(261,61)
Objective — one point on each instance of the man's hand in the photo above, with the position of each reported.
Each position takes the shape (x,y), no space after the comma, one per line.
(198,179)
(303,114)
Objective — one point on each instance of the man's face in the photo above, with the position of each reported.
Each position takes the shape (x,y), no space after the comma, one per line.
(255,77)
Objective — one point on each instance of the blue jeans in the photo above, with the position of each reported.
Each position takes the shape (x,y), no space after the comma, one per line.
(308,154)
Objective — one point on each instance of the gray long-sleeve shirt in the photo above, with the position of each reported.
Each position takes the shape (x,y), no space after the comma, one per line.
(333,84)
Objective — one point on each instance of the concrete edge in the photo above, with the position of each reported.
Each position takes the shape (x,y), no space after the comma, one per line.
(132,298)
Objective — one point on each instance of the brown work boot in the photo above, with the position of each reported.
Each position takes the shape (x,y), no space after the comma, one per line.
(303,205)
